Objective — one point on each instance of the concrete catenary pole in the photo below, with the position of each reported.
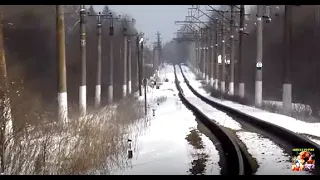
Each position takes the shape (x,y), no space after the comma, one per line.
(124,83)
(5,109)
(154,57)
(204,47)
(144,79)
(192,53)
(200,43)
(142,60)
(216,46)
(223,55)
(129,66)
(287,87)
(159,49)
(200,53)
(110,86)
(83,88)
(212,49)
(207,59)
(62,79)
(97,98)
(139,77)
(231,83)
(240,55)
(258,82)
(197,52)
(205,54)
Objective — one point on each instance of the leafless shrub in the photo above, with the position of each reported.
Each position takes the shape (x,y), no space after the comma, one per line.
(30,44)
(299,111)
(98,141)
(270,107)
(161,99)
(218,94)
(199,77)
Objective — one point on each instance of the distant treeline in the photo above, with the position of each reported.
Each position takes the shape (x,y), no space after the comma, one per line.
(30,44)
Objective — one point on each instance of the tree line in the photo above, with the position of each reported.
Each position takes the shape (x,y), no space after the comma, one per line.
(30,46)
(304,67)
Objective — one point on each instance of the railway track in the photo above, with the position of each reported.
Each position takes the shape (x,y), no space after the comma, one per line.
(236,162)
(231,145)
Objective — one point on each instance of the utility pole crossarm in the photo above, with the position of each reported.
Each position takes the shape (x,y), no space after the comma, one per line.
(201,23)
(219,12)
(187,22)
(202,13)
(176,22)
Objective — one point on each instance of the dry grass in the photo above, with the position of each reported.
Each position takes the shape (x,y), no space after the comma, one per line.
(299,111)
(218,94)
(161,99)
(91,145)
(199,76)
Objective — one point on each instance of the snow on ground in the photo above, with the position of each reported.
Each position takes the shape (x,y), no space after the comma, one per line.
(163,148)
(59,145)
(270,157)
(214,114)
(287,122)
(314,140)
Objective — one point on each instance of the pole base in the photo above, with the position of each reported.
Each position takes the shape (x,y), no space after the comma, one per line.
(124,90)
(83,100)
(97,98)
(231,88)
(216,84)
(129,87)
(223,86)
(241,90)
(287,98)
(110,94)
(258,93)
(63,107)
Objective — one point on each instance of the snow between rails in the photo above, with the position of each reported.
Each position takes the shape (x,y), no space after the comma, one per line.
(214,114)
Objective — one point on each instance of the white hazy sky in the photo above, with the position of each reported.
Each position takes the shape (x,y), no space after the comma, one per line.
(153,18)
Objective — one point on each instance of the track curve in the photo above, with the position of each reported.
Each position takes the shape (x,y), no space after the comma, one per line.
(286,135)
(235,159)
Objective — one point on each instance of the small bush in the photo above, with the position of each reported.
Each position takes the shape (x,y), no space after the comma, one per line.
(218,94)
(161,99)
(85,145)
(299,111)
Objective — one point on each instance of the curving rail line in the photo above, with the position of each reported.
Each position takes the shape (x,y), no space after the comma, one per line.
(284,134)
(236,164)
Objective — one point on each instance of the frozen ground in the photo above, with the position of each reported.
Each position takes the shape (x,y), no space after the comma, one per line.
(287,122)
(172,144)
(271,158)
